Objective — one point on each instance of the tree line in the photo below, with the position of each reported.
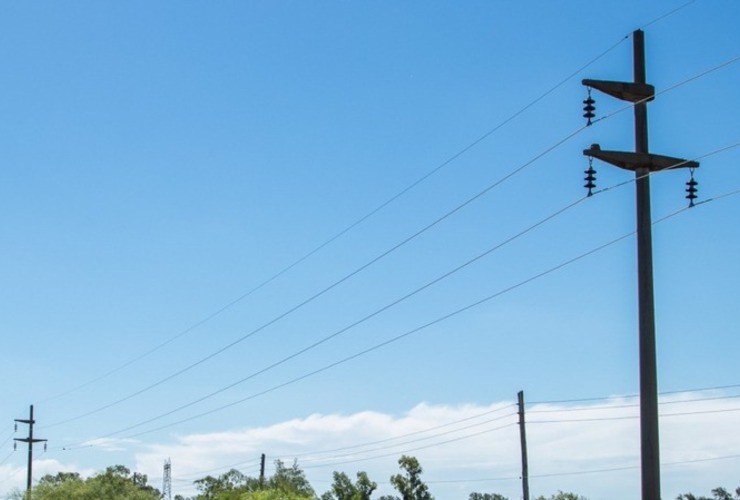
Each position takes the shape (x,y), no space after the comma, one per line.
(286,483)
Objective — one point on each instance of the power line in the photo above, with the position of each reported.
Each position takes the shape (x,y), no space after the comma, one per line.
(667,14)
(404,443)
(346,277)
(410,450)
(316,458)
(386,253)
(367,317)
(663,393)
(348,228)
(401,336)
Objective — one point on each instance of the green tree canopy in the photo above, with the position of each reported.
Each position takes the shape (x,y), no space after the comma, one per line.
(486,496)
(344,489)
(115,483)
(560,495)
(409,484)
(717,494)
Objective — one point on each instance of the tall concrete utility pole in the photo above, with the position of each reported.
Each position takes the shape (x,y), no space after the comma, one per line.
(642,163)
(30,440)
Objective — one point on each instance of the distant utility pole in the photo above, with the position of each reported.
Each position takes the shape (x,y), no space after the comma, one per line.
(642,163)
(523,439)
(167,481)
(30,440)
(262,470)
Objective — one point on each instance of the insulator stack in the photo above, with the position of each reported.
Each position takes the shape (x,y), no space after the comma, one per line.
(589,108)
(691,189)
(590,177)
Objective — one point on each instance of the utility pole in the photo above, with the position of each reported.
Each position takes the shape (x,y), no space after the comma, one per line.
(262,470)
(30,440)
(523,439)
(642,163)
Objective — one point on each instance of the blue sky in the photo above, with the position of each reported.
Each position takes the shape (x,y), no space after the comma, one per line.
(161,160)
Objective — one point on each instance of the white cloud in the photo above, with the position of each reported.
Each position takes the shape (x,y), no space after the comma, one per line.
(110,444)
(591,448)
(476,448)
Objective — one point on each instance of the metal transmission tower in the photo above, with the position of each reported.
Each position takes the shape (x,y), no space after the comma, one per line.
(167,481)
(30,440)
(643,164)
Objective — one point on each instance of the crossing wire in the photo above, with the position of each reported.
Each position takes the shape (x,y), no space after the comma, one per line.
(344,231)
(187,405)
(383,254)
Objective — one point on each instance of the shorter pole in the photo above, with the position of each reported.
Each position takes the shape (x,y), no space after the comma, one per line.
(523,439)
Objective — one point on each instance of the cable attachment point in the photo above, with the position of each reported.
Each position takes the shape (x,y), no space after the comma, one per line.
(691,189)
(590,176)
(589,108)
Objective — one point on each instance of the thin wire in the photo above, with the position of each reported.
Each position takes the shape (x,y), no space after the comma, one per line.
(392,340)
(404,443)
(582,472)
(373,261)
(404,452)
(215,469)
(346,229)
(7,457)
(633,417)
(381,441)
(389,341)
(12,433)
(372,443)
(363,319)
(668,89)
(386,253)
(445,216)
(635,405)
(667,14)
(664,393)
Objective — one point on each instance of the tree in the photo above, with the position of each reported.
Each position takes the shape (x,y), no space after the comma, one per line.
(409,484)
(287,483)
(227,486)
(486,496)
(290,480)
(717,494)
(343,489)
(560,495)
(115,483)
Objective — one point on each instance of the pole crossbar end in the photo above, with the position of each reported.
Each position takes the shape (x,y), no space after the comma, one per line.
(635,161)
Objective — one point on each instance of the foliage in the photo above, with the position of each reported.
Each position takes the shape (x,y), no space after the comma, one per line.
(409,484)
(717,494)
(115,483)
(343,489)
(486,496)
(287,483)
(562,496)
(290,480)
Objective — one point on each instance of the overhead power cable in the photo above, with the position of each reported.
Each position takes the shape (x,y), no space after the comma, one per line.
(411,450)
(404,436)
(364,318)
(415,440)
(379,257)
(629,396)
(372,443)
(158,417)
(336,283)
(344,231)
(583,472)
(400,336)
